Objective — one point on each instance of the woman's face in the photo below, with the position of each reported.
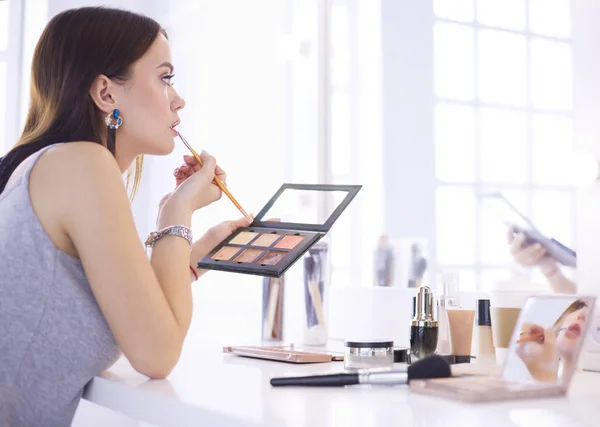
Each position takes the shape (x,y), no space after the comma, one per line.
(568,337)
(149,104)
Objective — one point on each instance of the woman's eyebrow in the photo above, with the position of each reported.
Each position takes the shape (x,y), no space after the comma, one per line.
(167,64)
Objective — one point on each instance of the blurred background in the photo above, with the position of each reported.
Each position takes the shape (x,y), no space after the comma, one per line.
(423,102)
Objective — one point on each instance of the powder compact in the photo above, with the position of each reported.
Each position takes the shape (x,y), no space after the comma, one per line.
(368,354)
(270,248)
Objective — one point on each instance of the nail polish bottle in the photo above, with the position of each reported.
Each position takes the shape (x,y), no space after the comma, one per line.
(424,328)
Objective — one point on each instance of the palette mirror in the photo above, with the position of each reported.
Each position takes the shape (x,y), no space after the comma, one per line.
(547,340)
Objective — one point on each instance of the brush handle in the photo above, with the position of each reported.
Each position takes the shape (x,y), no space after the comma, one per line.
(333,380)
(273,299)
(528,338)
(315,294)
(219,183)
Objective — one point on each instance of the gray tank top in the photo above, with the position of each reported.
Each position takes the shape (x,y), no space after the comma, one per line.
(53,336)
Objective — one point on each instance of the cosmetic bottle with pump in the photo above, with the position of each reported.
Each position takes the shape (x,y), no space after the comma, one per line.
(424,328)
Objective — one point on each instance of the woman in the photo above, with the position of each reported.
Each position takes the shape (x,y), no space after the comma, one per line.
(549,353)
(529,255)
(77,287)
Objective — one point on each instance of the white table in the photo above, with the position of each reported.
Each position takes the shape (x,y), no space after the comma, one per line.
(209,388)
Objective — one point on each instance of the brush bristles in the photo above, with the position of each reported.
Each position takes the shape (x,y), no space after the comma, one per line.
(430,367)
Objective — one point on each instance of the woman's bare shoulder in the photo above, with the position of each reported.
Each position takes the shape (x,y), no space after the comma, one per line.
(76,174)
(73,184)
(78,149)
(74,163)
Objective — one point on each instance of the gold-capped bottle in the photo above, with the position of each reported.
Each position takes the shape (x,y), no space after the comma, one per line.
(424,327)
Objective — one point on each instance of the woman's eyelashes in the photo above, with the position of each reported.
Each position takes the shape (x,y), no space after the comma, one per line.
(168,79)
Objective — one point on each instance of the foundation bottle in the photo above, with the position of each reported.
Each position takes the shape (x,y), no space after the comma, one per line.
(486,353)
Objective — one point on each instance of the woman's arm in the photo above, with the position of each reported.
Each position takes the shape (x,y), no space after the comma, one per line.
(148,306)
(535,255)
(559,283)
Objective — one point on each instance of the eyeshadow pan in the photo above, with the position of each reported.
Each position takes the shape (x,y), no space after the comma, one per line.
(248,255)
(266,239)
(289,242)
(272,258)
(225,253)
(243,238)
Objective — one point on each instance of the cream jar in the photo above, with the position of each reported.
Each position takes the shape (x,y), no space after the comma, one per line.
(376,354)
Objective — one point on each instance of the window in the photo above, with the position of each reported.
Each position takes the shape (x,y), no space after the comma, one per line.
(332,115)
(4,55)
(503,120)
(21,23)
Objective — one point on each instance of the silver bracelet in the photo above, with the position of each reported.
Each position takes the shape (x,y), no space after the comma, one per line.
(173,230)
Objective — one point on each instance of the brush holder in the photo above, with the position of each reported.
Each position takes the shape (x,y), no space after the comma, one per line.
(316,274)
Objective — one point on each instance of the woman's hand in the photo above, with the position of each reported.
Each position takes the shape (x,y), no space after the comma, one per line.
(529,255)
(221,231)
(216,235)
(212,238)
(536,347)
(194,184)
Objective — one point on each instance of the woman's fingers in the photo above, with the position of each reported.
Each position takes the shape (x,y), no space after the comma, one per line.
(516,243)
(219,172)
(510,234)
(194,166)
(532,254)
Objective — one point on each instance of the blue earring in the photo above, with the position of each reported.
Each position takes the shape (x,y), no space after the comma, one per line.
(118,120)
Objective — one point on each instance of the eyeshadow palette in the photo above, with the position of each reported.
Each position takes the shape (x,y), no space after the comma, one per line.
(269,248)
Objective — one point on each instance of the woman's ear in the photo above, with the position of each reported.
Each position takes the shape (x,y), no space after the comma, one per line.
(103,93)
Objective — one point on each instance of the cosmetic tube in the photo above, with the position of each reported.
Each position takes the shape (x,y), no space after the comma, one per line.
(461,333)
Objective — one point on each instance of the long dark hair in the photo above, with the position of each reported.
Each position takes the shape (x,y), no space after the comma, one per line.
(75,48)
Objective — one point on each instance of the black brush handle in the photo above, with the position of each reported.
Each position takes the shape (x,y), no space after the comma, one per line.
(333,380)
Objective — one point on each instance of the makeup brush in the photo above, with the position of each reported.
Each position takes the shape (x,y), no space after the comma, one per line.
(535,337)
(273,299)
(218,182)
(530,338)
(429,367)
(313,265)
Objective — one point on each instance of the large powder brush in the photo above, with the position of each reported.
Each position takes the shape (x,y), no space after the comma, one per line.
(430,367)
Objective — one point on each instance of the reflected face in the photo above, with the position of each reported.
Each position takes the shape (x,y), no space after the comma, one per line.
(570,332)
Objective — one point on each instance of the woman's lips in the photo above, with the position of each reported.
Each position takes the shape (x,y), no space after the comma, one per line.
(574,330)
(173,127)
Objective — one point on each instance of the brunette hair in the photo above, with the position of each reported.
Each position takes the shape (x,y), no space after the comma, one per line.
(573,307)
(75,48)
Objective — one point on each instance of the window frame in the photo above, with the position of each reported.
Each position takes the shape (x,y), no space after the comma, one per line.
(12,56)
(529,186)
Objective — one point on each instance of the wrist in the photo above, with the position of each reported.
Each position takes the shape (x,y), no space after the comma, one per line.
(549,270)
(194,273)
(173,230)
(174,212)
